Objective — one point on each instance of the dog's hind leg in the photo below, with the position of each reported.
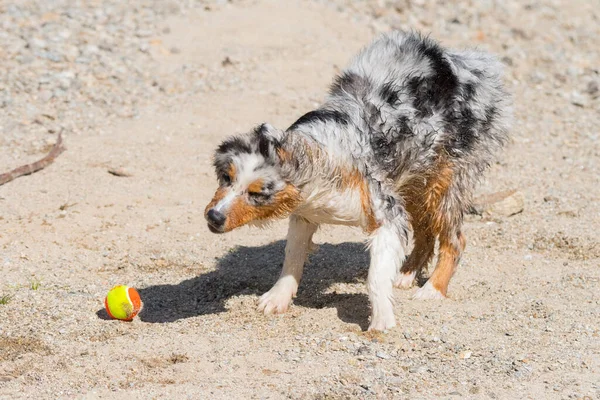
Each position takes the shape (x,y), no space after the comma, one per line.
(299,244)
(423,234)
(424,243)
(444,202)
(452,244)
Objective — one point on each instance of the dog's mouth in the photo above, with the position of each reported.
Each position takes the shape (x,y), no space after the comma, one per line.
(215,229)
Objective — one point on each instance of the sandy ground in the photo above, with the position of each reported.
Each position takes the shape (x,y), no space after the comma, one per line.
(523,317)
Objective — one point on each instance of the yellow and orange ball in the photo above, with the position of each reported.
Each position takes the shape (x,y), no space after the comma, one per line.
(123,302)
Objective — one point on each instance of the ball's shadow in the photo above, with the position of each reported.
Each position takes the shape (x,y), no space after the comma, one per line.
(252,271)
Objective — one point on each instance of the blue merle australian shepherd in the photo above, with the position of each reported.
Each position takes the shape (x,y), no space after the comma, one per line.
(396,148)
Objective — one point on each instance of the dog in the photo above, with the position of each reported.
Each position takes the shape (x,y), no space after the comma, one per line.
(396,149)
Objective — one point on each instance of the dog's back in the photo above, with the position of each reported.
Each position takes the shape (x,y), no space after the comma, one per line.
(404,100)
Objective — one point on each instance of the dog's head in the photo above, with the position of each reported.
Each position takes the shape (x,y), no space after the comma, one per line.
(251,187)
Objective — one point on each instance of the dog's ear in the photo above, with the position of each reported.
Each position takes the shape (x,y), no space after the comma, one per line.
(268,139)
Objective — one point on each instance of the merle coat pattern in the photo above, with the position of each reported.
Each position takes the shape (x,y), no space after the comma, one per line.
(397,146)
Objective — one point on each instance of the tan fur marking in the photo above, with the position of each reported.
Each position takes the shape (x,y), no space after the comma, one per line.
(354,180)
(450,252)
(422,251)
(256,186)
(424,196)
(240,212)
(232,172)
(219,195)
(424,202)
(284,155)
(436,189)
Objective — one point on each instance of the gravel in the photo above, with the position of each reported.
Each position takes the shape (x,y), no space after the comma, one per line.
(138,100)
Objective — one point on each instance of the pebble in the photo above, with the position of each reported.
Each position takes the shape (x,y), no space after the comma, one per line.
(579,100)
(381,354)
(505,203)
(592,88)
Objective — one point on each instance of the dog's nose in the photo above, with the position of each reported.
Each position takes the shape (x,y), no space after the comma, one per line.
(215,218)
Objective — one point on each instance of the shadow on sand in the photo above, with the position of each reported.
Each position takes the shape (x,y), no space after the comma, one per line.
(253,270)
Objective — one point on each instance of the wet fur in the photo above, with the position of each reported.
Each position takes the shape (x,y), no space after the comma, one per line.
(399,143)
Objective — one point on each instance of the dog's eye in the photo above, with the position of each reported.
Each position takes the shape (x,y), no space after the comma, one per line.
(257,195)
(226,178)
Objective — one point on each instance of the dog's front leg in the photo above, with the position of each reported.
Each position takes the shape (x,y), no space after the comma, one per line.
(299,241)
(387,251)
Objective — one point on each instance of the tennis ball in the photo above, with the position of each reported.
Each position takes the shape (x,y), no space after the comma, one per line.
(123,302)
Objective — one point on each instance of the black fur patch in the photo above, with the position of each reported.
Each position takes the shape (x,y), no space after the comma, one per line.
(389,93)
(234,145)
(266,144)
(463,128)
(423,96)
(444,81)
(402,130)
(466,133)
(438,90)
(468,91)
(349,83)
(321,115)
(490,117)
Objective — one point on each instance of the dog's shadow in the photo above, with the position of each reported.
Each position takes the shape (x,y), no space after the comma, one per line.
(252,271)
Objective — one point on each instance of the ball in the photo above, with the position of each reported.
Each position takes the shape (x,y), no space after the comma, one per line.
(123,302)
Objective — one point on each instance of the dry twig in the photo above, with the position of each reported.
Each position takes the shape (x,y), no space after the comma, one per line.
(36,166)
(118,172)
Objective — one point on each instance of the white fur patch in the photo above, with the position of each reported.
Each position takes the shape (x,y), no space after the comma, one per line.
(405,280)
(323,205)
(278,299)
(386,252)
(223,205)
(299,243)
(428,292)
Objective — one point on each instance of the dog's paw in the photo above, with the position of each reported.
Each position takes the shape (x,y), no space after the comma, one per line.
(405,280)
(277,300)
(428,292)
(382,322)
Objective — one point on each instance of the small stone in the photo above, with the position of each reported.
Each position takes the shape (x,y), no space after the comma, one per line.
(143,33)
(37,43)
(91,49)
(577,99)
(382,355)
(465,355)
(537,77)
(506,204)
(592,88)
(363,350)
